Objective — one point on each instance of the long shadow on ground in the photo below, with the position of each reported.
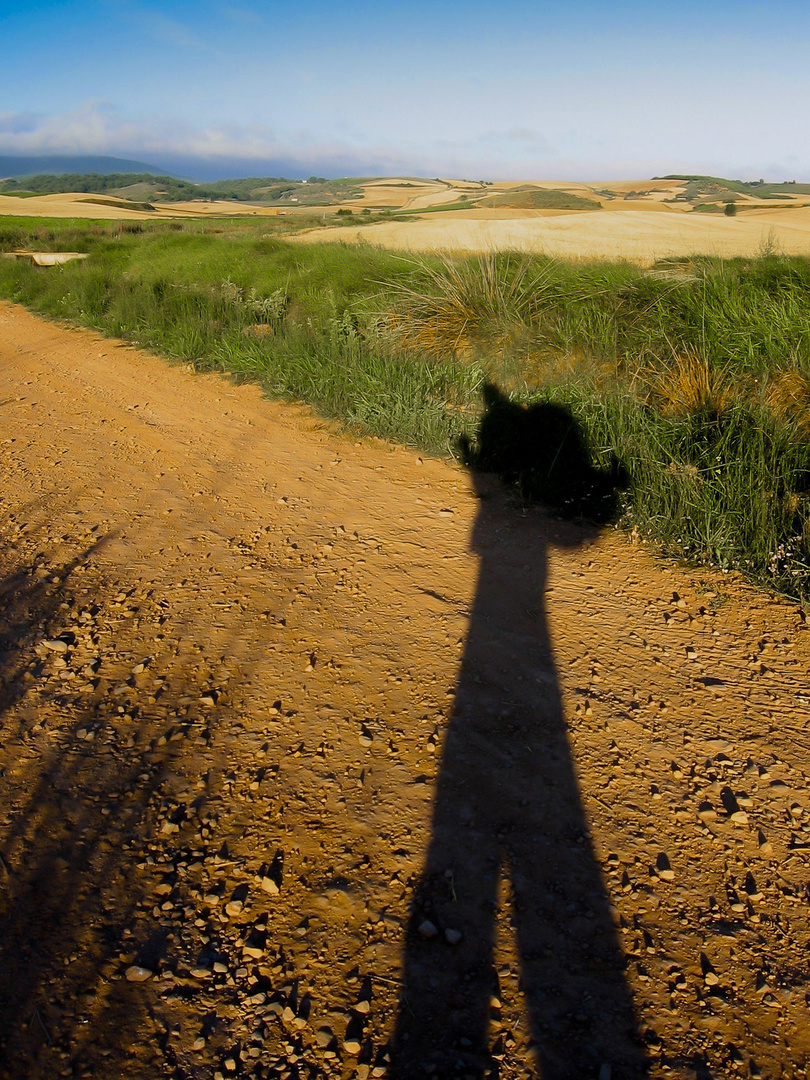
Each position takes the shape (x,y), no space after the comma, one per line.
(508,803)
(83,810)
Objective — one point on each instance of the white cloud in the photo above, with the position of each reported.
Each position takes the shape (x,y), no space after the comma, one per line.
(96,127)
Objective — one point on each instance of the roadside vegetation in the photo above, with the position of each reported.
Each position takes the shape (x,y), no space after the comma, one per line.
(691,380)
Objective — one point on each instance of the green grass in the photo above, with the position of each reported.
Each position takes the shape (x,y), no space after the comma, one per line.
(540,199)
(700,185)
(692,380)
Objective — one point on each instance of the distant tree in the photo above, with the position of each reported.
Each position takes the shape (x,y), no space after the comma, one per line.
(731,209)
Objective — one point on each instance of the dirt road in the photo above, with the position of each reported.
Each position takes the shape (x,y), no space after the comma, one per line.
(319,759)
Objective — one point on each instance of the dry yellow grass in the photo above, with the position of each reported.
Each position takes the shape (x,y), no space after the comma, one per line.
(641,237)
(71,205)
(690,385)
(82,205)
(787,395)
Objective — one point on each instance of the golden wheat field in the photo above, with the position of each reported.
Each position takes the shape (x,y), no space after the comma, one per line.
(634,220)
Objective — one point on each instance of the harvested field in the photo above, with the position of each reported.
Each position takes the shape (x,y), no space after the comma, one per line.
(637,235)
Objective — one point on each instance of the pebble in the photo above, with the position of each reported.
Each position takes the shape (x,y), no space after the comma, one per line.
(269,886)
(663,869)
(137,974)
(199,1044)
(55,645)
(324,1037)
(453,937)
(427,929)
(351,1046)
(234,908)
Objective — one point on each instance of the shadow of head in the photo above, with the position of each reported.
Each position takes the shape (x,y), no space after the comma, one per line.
(543,450)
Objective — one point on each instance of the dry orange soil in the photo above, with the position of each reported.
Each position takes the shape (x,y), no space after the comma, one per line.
(319,760)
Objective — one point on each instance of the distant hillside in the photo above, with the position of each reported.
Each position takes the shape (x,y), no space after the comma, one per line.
(144,187)
(29,166)
(698,187)
(539,199)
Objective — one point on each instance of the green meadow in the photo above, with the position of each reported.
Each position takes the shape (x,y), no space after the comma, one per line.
(691,379)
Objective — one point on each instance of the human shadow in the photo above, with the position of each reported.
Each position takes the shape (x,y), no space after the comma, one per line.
(508,804)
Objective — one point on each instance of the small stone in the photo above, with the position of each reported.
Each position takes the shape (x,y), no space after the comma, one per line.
(711,978)
(269,886)
(691,654)
(288,1015)
(427,929)
(663,869)
(363,1007)
(137,974)
(362,1072)
(199,1044)
(230,1064)
(324,1037)
(765,846)
(739,817)
(351,1046)
(453,937)
(234,908)
(55,645)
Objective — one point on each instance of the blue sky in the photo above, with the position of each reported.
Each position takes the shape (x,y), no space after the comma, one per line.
(503,89)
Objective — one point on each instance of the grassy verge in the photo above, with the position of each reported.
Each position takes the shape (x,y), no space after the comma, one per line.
(692,380)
